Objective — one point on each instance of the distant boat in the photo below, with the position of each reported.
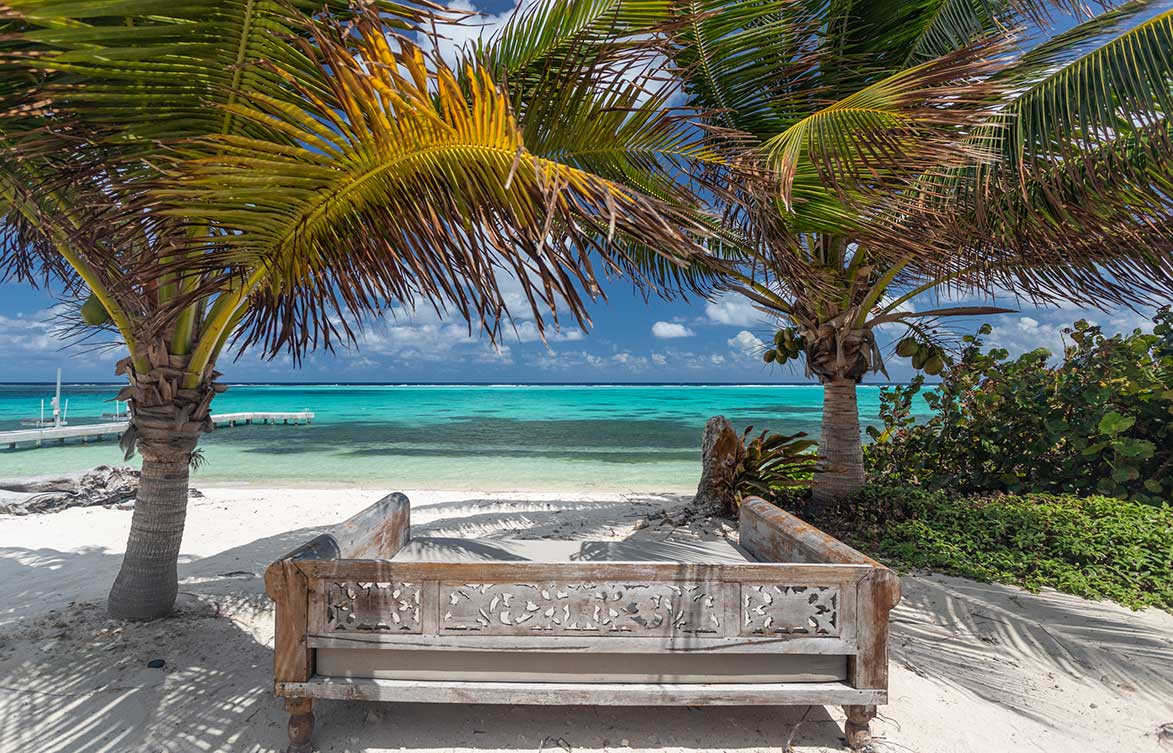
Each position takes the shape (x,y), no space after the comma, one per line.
(59,411)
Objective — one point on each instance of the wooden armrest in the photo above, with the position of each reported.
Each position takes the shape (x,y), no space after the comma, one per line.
(377,532)
(771,534)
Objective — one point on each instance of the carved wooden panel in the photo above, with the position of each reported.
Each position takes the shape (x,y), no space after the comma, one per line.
(372,607)
(602,609)
(783,610)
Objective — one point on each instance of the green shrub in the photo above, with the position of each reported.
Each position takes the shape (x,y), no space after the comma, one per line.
(1096,547)
(1099,422)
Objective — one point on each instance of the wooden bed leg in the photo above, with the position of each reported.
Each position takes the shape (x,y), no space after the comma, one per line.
(301,724)
(859,735)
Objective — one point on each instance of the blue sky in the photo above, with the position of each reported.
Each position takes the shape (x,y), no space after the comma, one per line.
(630,340)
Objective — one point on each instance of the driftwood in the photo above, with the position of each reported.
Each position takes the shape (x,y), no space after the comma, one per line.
(720,448)
(103,485)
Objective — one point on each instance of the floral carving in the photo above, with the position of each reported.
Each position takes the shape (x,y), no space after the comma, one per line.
(784,610)
(653,609)
(373,607)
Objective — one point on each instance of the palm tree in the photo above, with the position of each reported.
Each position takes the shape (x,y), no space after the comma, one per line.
(882,152)
(269,175)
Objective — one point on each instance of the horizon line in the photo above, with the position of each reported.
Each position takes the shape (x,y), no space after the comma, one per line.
(474,384)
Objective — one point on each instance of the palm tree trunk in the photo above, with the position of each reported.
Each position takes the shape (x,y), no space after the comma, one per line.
(147,583)
(840,446)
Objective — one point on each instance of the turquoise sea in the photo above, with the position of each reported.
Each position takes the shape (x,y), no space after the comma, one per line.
(498,437)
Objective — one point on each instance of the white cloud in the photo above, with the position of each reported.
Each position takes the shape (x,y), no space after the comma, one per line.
(1044,327)
(478,26)
(566,360)
(746,343)
(659,359)
(670,330)
(734,311)
(527,332)
(29,335)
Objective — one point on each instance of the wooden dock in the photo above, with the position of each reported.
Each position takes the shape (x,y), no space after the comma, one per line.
(97,432)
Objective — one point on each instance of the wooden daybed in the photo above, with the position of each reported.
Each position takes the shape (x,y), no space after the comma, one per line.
(791,617)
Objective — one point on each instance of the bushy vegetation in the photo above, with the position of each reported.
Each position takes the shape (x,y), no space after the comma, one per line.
(1098,422)
(1097,547)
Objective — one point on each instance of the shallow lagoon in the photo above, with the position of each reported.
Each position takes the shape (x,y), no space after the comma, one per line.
(451,436)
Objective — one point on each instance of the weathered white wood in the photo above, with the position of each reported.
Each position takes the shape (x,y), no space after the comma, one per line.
(378,532)
(771,534)
(782,644)
(876,596)
(610,694)
(775,609)
(812,574)
(512,666)
(810,607)
(350,606)
(582,607)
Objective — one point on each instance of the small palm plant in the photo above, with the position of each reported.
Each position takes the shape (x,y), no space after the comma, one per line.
(770,464)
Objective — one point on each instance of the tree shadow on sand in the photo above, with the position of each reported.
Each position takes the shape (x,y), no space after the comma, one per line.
(1001,644)
(73,682)
(76,682)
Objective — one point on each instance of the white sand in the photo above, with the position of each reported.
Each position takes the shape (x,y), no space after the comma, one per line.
(975,667)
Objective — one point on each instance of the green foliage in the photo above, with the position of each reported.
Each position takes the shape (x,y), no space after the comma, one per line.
(1097,547)
(772,463)
(1100,421)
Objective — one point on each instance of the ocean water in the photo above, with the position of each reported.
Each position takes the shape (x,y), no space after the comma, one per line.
(502,437)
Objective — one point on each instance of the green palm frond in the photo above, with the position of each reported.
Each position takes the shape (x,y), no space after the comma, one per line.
(1080,90)
(395,183)
(891,130)
(879,37)
(951,25)
(589,90)
(751,64)
(158,69)
(560,34)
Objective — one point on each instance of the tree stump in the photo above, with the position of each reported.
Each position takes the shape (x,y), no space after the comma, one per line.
(720,452)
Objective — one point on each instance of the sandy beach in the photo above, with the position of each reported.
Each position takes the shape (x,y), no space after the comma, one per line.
(975,667)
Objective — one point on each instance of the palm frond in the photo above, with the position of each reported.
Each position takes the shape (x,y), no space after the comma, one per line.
(558,34)
(156,69)
(750,64)
(880,37)
(892,130)
(1095,228)
(1084,88)
(395,183)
